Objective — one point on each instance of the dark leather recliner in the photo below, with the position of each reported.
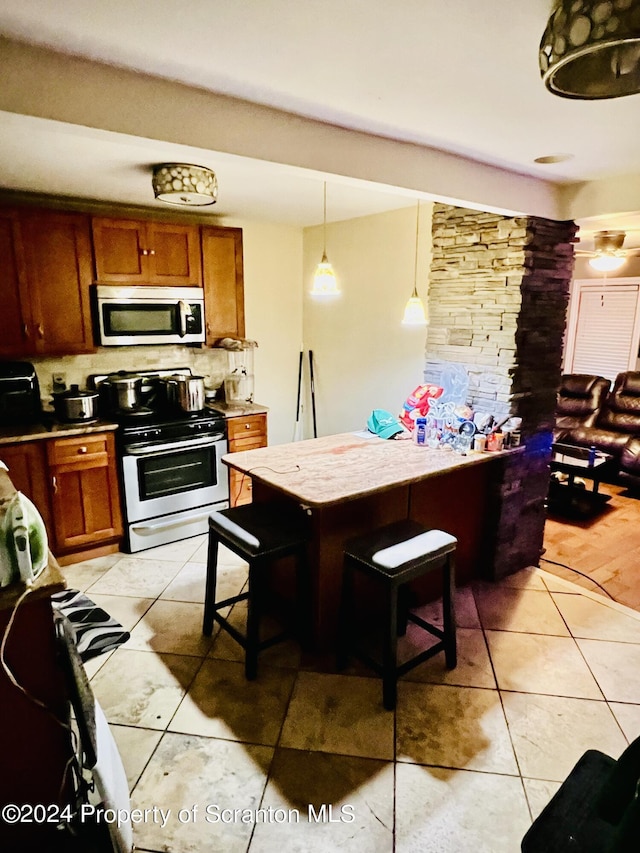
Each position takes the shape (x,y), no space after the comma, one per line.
(618,420)
(578,402)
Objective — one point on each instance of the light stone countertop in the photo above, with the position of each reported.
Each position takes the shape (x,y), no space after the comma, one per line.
(237,410)
(35,432)
(337,468)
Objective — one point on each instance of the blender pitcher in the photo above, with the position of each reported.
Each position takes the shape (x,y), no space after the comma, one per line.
(239,382)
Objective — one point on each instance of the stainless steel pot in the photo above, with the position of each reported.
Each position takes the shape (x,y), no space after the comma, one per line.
(186,392)
(126,392)
(75,406)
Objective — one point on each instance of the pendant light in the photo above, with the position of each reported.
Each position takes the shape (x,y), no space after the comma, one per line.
(324,281)
(414,311)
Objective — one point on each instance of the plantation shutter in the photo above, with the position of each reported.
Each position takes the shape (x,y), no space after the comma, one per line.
(606,340)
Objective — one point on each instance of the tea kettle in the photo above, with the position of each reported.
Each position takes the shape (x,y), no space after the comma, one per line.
(23,541)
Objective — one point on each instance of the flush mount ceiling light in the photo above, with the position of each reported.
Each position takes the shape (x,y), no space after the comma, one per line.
(551,159)
(181,183)
(591,49)
(608,251)
(324,280)
(414,310)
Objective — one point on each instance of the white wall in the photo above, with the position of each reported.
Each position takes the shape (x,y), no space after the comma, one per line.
(273,315)
(364,358)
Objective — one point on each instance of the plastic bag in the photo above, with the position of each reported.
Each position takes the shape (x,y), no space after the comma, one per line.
(417,404)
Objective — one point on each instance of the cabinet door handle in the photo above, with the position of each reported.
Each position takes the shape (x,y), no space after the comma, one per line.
(151,252)
(144,251)
(25,330)
(40,330)
(54,483)
(82,449)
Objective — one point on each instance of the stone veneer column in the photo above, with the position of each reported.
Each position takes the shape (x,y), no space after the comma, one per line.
(498,295)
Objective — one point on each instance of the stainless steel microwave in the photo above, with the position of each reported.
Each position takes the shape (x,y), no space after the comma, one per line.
(149,315)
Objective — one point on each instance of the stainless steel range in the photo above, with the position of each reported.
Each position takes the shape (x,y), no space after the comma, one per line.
(172,476)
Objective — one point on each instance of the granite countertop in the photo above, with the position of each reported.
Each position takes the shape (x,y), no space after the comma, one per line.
(34,432)
(237,410)
(338,468)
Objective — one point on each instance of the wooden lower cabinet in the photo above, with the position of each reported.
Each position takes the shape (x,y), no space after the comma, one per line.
(84,492)
(27,464)
(74,484)
(244,433)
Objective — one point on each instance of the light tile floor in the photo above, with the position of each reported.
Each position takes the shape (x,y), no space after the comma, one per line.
(546,670)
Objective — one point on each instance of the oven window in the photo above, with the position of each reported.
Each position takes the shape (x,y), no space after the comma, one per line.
(181,471)
(155,319)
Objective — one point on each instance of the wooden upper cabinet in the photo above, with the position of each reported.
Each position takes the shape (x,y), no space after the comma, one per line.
(15,317)
(223,280)
(129,251)
(57,261)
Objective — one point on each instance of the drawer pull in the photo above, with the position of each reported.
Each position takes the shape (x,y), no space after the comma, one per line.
(247,426)
(82,449)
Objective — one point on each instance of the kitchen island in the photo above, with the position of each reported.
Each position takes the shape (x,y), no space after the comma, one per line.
(353,482)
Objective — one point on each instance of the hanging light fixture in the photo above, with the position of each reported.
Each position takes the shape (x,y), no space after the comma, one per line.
(180,183)
(609,255)
(591,49)
(324,280)
(414,310)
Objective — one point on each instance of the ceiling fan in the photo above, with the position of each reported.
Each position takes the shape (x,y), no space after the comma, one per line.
(607,254)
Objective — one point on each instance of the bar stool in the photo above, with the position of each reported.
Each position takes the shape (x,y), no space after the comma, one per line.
(395,555)
(260,534)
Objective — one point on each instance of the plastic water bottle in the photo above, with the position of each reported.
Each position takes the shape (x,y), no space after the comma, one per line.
(592,456)
(420,431)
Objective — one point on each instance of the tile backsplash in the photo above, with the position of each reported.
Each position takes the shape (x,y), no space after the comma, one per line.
(210,363)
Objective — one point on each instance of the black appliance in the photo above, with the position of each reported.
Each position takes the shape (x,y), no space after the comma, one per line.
(20,402)
(170,466)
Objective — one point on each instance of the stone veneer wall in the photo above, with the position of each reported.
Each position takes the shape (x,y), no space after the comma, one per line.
(498,296)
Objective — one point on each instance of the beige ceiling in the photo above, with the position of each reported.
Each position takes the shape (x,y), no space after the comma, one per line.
(453,75)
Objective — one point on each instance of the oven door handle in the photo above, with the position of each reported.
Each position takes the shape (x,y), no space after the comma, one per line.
(163,525)
(189,444)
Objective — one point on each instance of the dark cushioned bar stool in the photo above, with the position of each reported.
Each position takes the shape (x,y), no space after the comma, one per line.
(259,533)
(395,555)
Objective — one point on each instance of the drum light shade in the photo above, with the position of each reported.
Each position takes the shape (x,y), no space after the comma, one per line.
(591,49)
(181,183)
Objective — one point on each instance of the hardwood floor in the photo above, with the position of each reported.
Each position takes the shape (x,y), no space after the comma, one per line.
(605,548)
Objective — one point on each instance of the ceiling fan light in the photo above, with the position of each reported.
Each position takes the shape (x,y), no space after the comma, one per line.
(183,184)
(607,262)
